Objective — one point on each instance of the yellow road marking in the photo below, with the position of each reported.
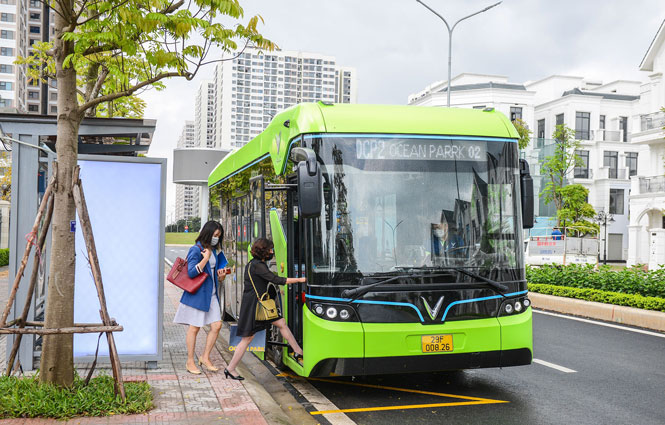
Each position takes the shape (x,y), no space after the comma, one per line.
(408,406)
(474,400)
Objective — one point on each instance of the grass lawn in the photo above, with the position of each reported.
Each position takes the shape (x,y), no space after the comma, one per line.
(181,238)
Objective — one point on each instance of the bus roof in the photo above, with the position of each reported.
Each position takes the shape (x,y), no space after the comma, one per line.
(307,118)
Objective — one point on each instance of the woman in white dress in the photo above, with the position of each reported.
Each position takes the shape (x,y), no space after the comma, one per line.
(202,307)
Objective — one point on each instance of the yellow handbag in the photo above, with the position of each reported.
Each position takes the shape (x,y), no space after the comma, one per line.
(266,309)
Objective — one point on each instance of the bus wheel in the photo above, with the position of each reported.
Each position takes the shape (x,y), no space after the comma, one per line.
(275,352)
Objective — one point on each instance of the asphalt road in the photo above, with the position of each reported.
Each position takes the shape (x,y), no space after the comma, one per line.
(584,373)
(618,378)
(172,252)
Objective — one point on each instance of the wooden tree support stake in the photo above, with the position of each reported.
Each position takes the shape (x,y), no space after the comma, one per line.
(26,254)
(108,324)
(86,228)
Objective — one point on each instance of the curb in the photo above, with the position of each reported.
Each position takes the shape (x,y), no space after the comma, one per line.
(275,402)
(647,319)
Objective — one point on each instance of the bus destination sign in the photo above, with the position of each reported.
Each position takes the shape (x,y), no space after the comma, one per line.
(429,150)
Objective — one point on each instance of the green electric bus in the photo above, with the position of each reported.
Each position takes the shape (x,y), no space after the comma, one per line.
(407,223)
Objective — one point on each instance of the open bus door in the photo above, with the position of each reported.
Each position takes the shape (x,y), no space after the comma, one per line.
(296,262)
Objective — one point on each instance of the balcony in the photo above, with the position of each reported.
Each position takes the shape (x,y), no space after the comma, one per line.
(651,121)
(655,184)
(603,135)
(583,173)
(612,173)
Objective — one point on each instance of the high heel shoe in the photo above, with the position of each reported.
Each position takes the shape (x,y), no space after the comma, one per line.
(297,357)
(228,374)
(209,368)
(193,372)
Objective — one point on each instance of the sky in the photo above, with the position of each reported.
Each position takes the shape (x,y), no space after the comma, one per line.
(398,47)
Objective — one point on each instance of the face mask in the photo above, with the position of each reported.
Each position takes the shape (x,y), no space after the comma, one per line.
(214,241)
(270,256)
(439,233)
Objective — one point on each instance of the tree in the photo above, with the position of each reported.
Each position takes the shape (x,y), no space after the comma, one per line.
(104,52)
(523,130)
(556,167)
(576,213)
(6,179)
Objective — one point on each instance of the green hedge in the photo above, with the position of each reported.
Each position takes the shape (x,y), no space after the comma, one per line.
(4,257)
(628,300)
(632,280)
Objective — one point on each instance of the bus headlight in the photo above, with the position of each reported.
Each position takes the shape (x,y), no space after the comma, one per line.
(526,302)
(518,306)
(318,310)
(344,314)
(508,308)
(331,312)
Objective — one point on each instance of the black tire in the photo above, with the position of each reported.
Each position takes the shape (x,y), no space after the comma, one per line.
(275,352)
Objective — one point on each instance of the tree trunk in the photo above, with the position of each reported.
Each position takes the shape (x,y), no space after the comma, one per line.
(57,362)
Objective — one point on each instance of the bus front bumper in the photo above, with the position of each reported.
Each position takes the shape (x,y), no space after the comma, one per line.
(383,348)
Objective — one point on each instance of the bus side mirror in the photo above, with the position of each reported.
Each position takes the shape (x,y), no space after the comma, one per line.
(309,182)
(526,190)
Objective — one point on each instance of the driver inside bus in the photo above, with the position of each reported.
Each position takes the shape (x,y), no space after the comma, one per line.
(446,243)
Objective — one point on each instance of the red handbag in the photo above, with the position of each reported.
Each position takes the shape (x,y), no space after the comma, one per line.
(180,278)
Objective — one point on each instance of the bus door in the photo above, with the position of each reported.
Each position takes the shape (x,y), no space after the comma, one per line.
(296,261)
(242,241)
(257,211)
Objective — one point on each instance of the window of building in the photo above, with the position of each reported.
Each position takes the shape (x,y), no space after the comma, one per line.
(601,122)
(515,113)
(7,17)
(33,94)
(5,85)
(631,163)
(33,108)
(34,29)
(6,51)
(35,3)
(559,119)
(541,129)
(6,69)
(54,109)
(582,171)
(616,201)
(5,103)
(611,160)
(10,2)
(7,34)
(582,125)
(34,16)
(623,125)
(53,96)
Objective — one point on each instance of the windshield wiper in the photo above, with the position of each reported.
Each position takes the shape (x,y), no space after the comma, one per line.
(358,292)
(500,288)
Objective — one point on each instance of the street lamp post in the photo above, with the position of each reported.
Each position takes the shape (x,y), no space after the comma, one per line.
(603,218)
(450,35)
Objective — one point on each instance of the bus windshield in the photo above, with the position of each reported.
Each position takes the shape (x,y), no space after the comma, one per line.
(395,202)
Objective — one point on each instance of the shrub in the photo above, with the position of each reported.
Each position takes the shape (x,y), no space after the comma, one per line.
(628,300)
(4,257)
(29,398)
(633,280)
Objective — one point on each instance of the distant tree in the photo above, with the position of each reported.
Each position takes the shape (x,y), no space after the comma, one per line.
(576,213)
(523,130)
(556,167)
(6,179)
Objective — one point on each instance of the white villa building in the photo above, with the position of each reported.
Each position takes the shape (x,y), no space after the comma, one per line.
(647,195)
(599,114)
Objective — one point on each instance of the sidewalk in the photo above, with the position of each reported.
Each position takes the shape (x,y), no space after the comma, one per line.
(179,397)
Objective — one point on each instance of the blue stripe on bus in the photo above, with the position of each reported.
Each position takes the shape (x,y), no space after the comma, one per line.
(473,300)
(316,297)
(408,136)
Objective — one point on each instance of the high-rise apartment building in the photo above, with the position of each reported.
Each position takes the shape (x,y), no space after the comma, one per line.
(187,196)
(204,115)
(254,86)
(23,23)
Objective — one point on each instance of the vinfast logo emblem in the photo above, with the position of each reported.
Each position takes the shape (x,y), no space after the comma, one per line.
(432,312)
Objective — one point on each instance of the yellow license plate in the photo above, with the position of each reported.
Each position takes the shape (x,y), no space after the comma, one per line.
(437,343)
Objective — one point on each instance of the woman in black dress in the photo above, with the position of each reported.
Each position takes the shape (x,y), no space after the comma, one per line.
(262,251)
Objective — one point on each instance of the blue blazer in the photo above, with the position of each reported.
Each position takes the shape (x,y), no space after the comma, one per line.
(201,299)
